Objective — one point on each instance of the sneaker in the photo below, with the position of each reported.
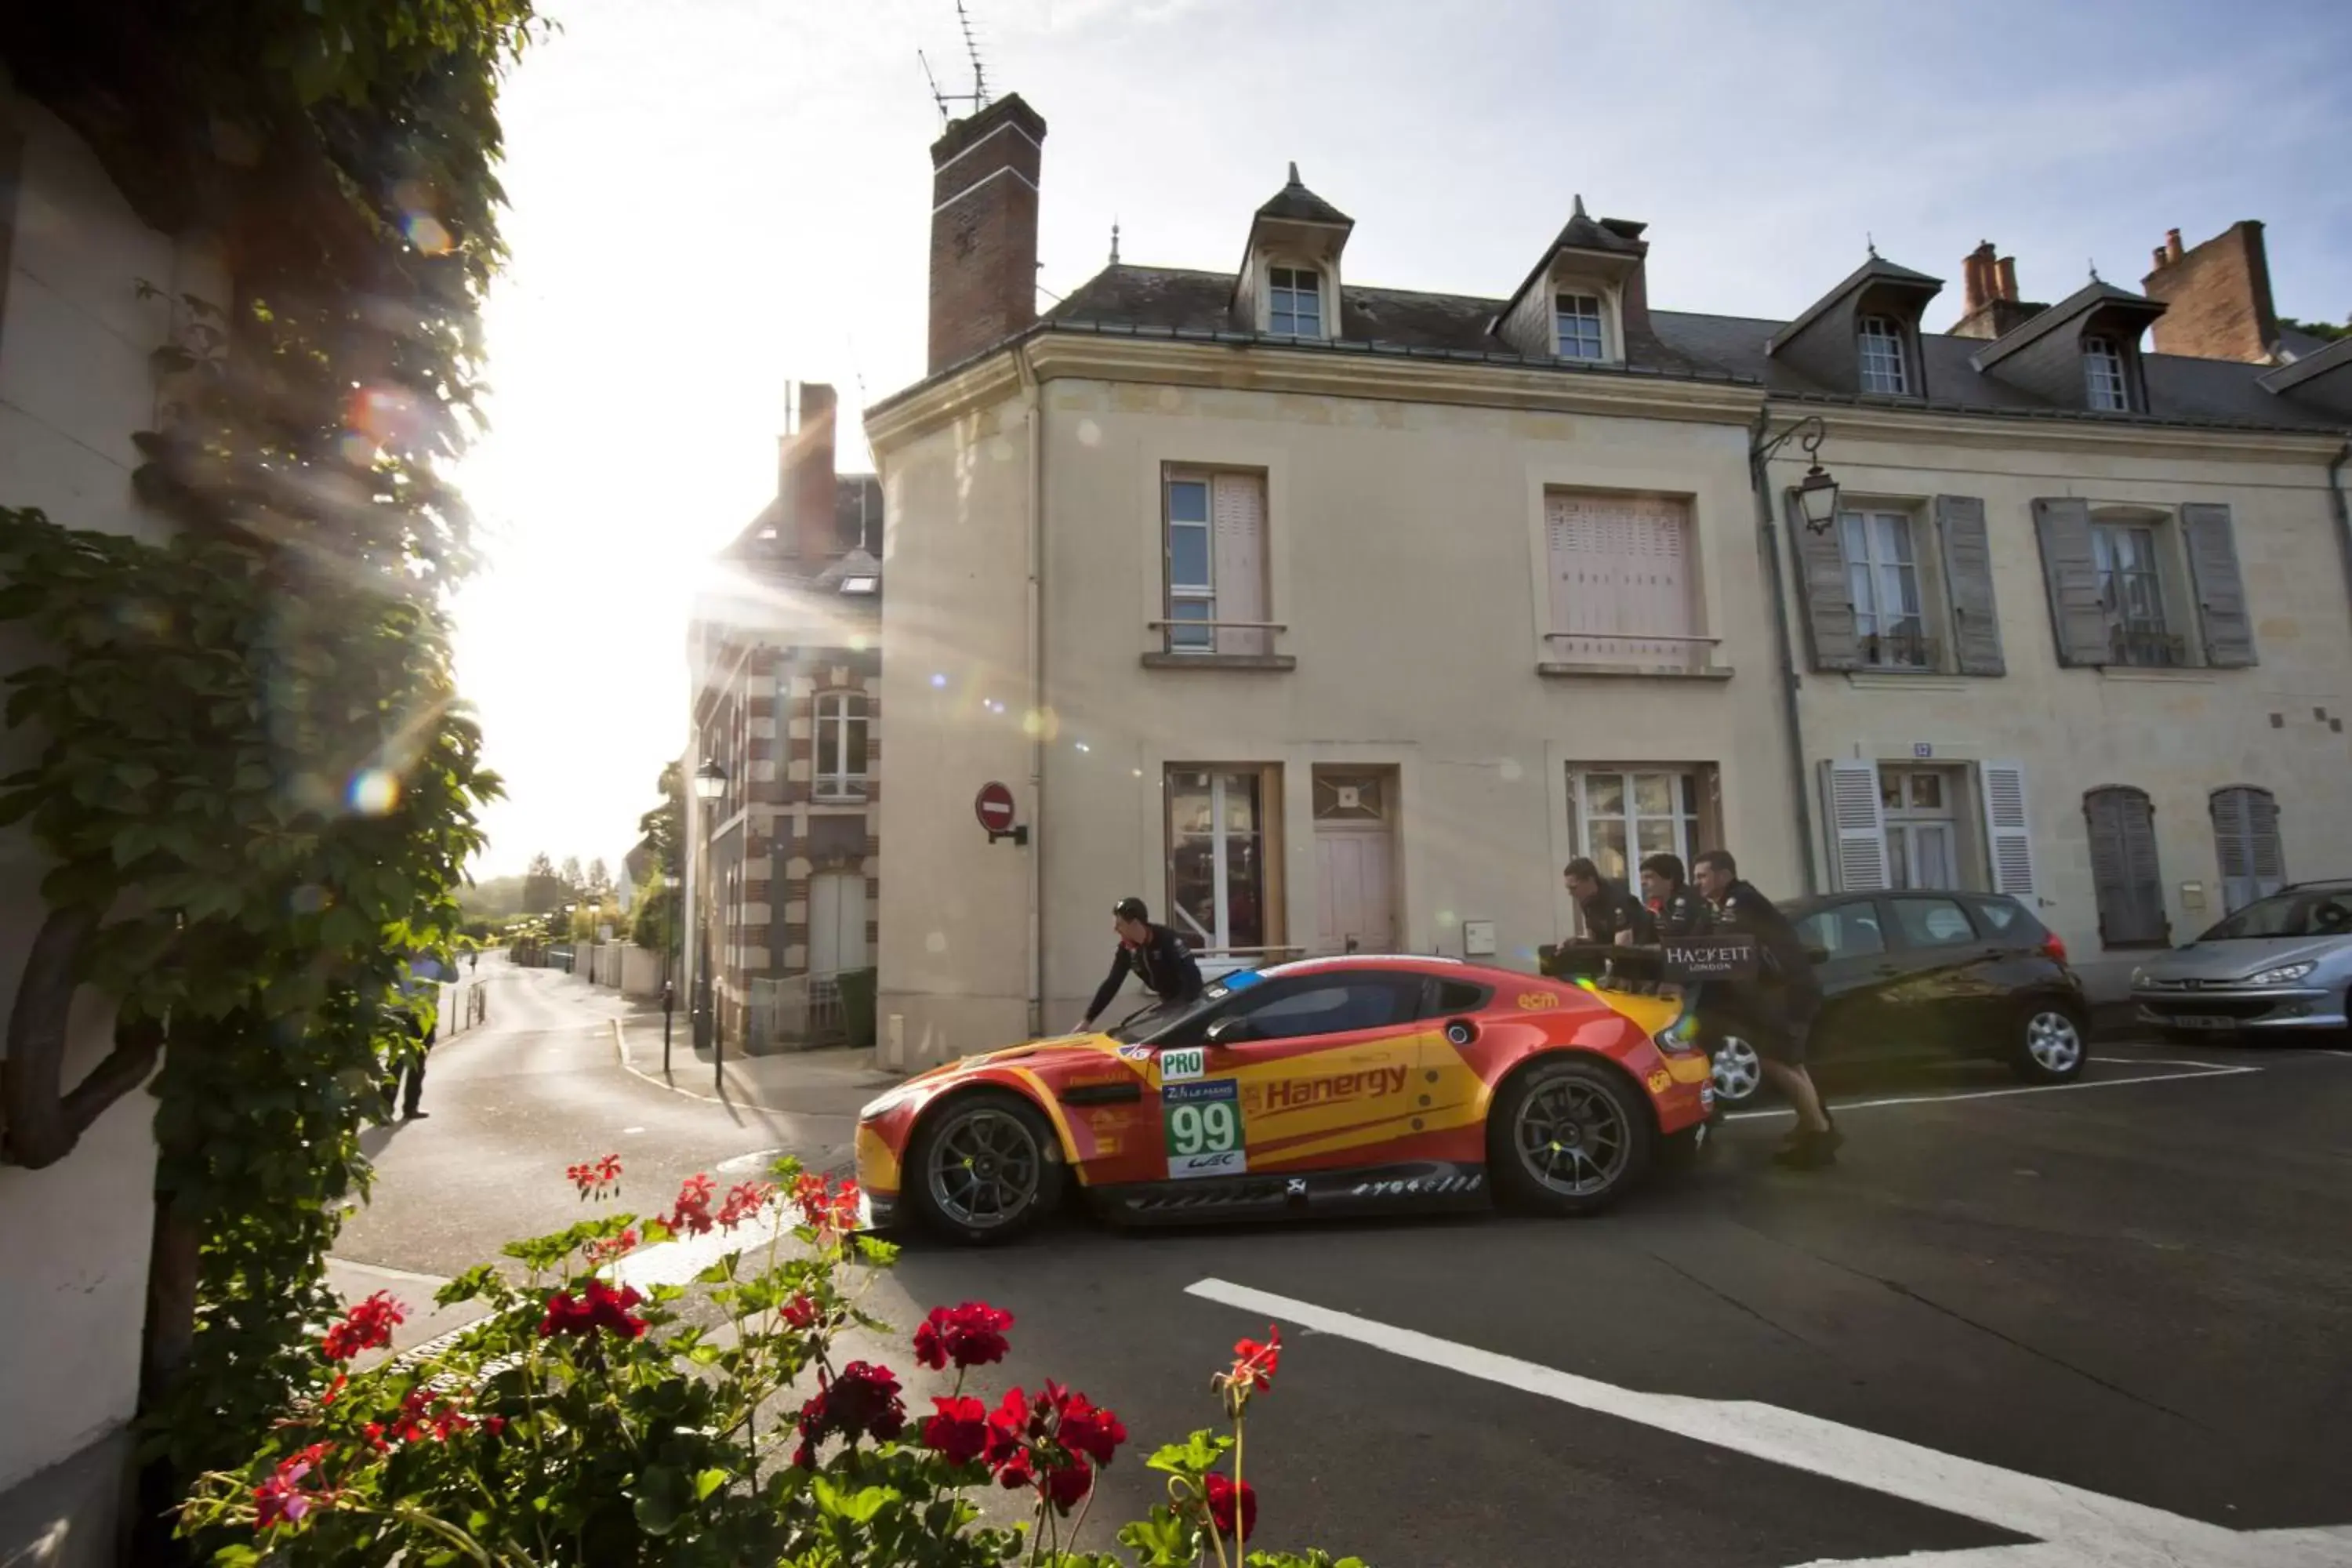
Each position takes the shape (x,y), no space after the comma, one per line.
(415,1115)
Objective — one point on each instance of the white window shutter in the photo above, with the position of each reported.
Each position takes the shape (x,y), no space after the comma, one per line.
(1857,826)
(2008,830)
(1237,515)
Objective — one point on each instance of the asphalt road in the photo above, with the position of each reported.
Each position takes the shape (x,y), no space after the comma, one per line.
(2110,1318)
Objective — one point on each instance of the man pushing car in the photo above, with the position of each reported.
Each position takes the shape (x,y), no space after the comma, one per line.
(1154,955)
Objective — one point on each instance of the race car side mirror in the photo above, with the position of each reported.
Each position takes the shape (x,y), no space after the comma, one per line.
(1227,1031)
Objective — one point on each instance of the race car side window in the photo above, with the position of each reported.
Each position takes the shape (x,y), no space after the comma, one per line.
(1444,998)
(1333,1004)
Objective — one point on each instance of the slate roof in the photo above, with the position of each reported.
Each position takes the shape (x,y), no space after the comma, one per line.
(852,527)
(1296,203)
(1877,269)
(1177,302)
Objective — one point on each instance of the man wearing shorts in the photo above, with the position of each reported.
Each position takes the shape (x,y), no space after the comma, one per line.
(1775,1011)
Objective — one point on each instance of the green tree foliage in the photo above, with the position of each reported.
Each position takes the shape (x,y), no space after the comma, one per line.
(2319,329)
(256,784)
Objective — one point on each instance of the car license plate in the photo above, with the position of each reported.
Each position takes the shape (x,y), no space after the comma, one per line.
(2200,1021)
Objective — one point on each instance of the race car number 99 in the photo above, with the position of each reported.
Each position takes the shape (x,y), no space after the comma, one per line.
(1203,1126)
(1209,1128)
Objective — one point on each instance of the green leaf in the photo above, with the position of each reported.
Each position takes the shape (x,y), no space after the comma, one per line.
(708,1481)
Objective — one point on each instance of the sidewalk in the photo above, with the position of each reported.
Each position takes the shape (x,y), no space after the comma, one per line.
(834,1082)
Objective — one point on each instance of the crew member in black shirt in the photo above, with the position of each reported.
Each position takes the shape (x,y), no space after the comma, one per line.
(1613,916)
(1775,1011)
(1675,905)
(1154,955)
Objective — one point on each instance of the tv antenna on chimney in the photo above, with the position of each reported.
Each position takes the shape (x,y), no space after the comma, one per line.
(978,96)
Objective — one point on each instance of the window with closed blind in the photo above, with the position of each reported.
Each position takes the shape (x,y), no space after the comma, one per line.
(2246,843)
(1214,535)
(2125,874)
(1624,581)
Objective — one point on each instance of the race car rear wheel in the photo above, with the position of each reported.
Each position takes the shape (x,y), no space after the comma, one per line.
(983,1168)
(1568,1137)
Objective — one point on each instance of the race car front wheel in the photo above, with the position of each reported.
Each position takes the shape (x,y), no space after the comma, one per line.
(983,1168)
(1568,1137)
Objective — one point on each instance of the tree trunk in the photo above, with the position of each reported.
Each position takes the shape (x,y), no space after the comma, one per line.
(172,1265)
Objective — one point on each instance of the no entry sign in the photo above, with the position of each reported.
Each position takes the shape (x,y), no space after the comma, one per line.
(993,806)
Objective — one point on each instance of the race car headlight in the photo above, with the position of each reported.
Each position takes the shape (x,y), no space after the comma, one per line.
(883,1105)
(2284,974)
(1679,1039)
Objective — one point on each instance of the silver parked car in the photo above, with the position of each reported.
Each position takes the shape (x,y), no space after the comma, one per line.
(2281,965)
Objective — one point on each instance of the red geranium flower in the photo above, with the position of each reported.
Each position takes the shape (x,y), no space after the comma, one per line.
(367,1326)
(827,1207)
(282,1499)
(1223,1498)
(1008,1425)
(969,1335)
(959,1433)
(595,1178)
(862,1400)
(1088,1428)
(598,1306)
(1254,1363)
(801,1313)
(744,1202)
(691,1216)
(1066,1485)
(600,1253)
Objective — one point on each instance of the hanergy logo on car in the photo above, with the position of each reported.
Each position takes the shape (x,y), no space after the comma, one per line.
(1297,1094)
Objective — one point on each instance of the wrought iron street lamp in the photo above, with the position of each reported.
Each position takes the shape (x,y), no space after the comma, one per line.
(709,786)
(709,780)
(1817,492)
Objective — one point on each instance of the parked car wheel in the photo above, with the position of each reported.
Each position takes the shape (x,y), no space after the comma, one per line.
(1738,1073)
(2051,1045)
(1568,1137)
(984,1168)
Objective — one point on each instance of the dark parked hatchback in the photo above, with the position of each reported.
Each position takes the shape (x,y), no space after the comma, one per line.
(1913,974)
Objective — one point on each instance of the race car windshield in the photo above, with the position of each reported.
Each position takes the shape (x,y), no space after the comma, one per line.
(1143,1025)
(2305,911)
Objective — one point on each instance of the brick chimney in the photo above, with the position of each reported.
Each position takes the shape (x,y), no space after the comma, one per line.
(984,230)
(804,482)
(2220,295)
(1993,306)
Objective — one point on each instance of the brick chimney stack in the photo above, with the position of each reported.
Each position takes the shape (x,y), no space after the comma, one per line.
(1993,306)
(984,230)
(2220,297)
(804,480)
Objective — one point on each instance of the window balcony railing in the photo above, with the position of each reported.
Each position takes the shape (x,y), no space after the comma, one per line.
(2145,646)
(1198,639)
(842,787)
(1899,650)
(1647,650)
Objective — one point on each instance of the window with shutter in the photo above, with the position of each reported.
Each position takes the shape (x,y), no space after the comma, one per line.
(2070,569)
(1968,584)
(2125,874)
(1827,592)
(2221,616)
(2246,843)
(2009,831)
(1858,825)
(1624,580)
(1214,524)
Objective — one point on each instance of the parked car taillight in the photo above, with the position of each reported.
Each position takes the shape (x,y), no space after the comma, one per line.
(2056,949)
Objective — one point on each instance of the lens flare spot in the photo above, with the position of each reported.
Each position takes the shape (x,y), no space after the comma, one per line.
(1040,723)
(373,791)
(425,233)
(936,942)
(1447,919)
(307,899)
(1510,771)
(1090,432)
(359,450)
(939,682)
(857,642)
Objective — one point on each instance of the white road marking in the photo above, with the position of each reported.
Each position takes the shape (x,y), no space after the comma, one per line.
(2063,1554)
(2209,1069)
(2106,1532)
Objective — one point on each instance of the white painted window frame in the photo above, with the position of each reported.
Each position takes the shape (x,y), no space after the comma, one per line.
(839,711)
(1885,364)
(2107,379)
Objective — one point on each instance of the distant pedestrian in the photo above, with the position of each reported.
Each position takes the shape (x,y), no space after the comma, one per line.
(419,983)
(1775,1011)
(1154,955)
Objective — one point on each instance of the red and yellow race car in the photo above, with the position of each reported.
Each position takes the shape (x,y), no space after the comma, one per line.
(1325,1086)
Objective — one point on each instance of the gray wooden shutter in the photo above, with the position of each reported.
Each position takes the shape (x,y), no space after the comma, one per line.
(1968,584)
(2071,572)
(2009,832)
(2227,629)
(2124,868)
(1828,601)
(1857,826)
(2246,843)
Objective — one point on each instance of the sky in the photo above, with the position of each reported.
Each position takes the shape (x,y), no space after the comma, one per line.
(711,198)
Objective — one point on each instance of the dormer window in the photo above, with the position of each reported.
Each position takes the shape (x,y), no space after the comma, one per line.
(1577,319)
(2103,376)
(1294,302)
(1882,368)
